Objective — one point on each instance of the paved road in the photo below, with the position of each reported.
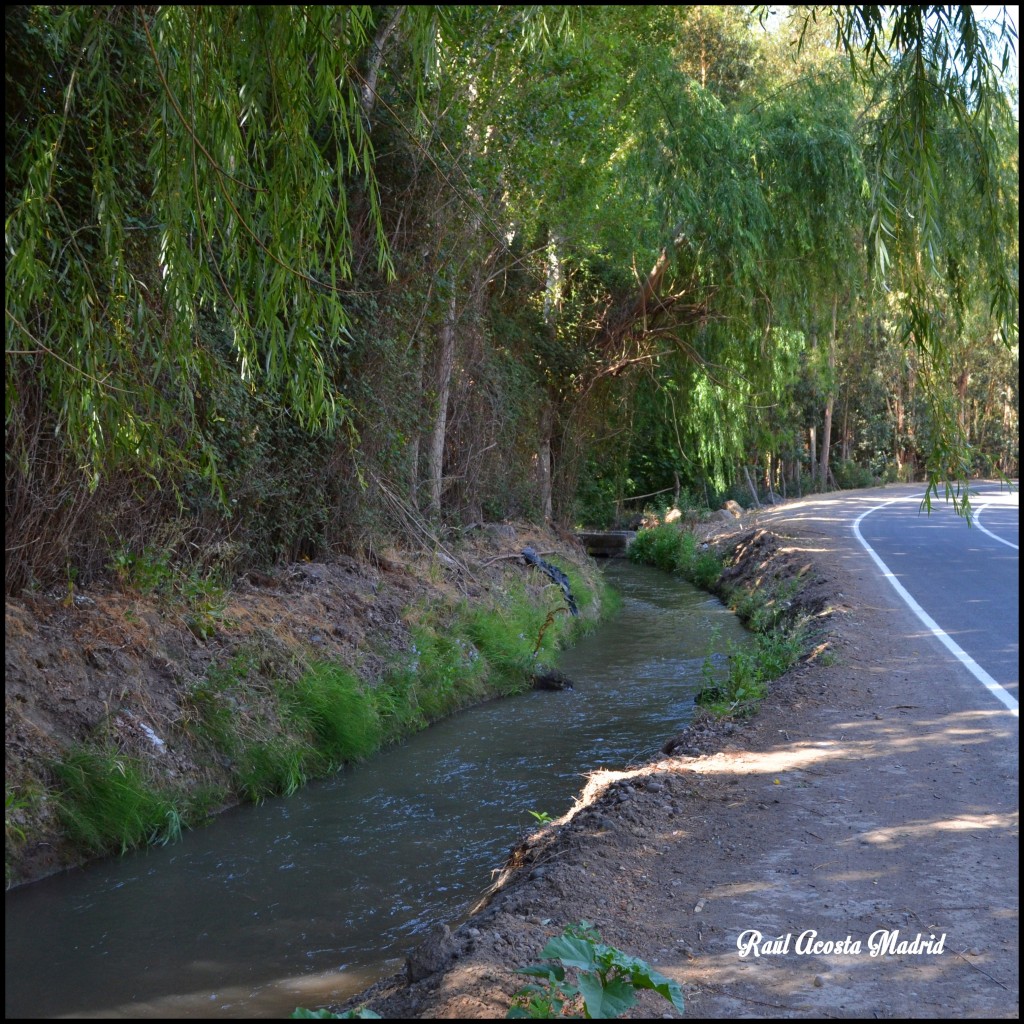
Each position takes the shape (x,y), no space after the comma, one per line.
(965,580)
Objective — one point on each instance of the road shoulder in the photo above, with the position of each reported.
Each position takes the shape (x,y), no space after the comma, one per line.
(875,796)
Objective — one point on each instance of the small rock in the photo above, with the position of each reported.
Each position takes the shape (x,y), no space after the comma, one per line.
(819,981)
(434,954)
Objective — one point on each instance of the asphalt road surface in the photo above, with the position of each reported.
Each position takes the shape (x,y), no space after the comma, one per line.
(966,580)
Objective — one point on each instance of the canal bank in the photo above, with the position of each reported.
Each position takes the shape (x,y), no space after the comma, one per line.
(308,898)
(141,708)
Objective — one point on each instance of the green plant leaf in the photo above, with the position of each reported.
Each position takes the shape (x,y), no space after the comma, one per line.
(573,952)
(606,999)
(552,972)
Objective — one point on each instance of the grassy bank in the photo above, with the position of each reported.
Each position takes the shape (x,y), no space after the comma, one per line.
(265,718)
(767,603)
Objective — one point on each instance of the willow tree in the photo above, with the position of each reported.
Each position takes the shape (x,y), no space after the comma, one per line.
(191,190)
(944,194)
(175,174)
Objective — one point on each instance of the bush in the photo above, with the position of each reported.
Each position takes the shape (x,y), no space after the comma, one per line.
(849,475)
(673,550)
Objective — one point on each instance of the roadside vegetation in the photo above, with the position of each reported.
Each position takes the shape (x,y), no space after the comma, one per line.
(420,271)
(767,606)
(426,266)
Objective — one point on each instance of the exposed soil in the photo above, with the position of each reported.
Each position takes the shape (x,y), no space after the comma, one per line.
(116,666)
(874,792)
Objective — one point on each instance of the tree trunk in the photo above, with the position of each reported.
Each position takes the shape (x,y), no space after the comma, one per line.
(826,433)
(374,59)
(813,430)
(846,427)
(544,473)
(435,452)
(753,489)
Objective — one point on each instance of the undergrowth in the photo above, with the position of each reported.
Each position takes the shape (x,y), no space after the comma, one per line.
(768,611)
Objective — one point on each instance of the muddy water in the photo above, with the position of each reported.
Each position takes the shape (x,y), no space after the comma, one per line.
(307,900)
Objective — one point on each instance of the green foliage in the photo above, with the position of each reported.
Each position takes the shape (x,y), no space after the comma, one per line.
(607,980)
(203,324)
(673,550)
(108,803)
(237,711)
(515,636)
(276,766)
(750,670)
(154,572)
(13,803)
(277,734)
(767,608)
(849,475)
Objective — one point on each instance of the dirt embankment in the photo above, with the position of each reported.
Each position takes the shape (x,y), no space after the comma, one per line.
(119,669)
(862,801)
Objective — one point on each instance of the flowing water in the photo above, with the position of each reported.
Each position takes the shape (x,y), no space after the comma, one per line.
(309,899)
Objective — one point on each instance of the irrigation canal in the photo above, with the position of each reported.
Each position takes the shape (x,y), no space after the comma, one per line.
(309,899)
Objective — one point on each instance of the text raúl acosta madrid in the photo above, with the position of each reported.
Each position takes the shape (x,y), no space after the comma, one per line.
(884,942)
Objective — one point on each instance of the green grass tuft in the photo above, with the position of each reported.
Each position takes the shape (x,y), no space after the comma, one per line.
(329,704)
(673,550)
(108,803)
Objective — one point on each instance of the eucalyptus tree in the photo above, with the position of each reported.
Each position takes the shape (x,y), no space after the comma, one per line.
(943,205)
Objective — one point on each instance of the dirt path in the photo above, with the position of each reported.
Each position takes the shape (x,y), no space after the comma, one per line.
(877,794)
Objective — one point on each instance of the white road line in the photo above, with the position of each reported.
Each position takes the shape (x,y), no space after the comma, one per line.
(977,523)
(997,691)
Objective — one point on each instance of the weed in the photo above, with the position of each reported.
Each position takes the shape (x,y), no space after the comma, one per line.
(542,817)
(741,689)
(607,979)
(777,651)
(13,803)
(109,804)
(152,572)
(329,704)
